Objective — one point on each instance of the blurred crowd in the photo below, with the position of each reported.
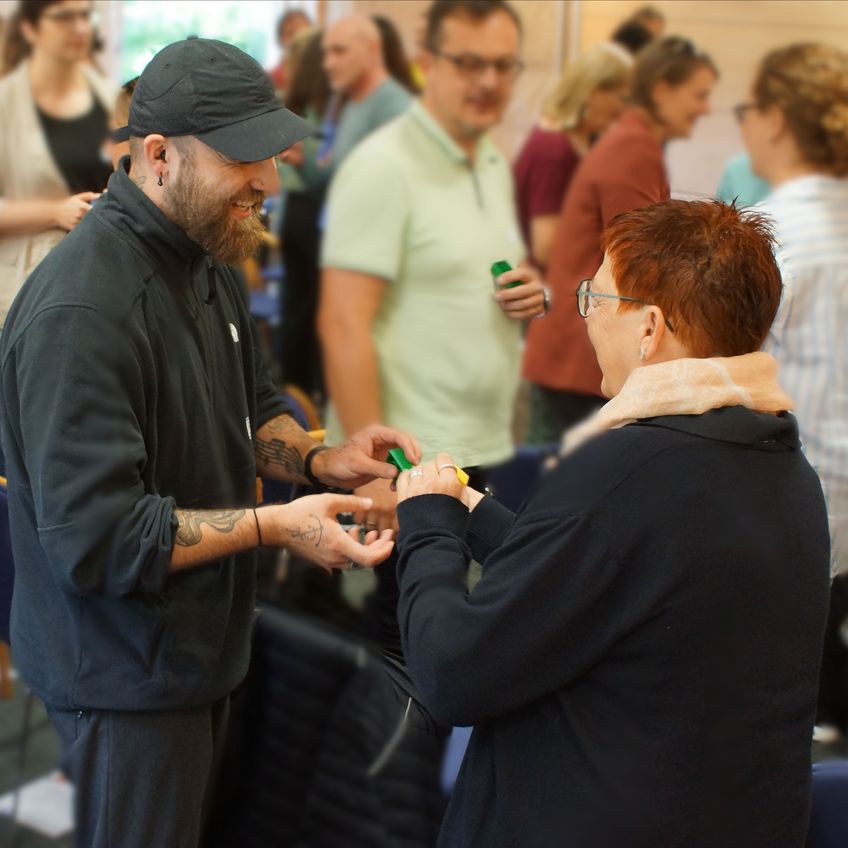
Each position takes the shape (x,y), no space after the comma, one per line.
(386,255)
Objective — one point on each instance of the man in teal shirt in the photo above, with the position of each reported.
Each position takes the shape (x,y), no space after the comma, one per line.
(353,60)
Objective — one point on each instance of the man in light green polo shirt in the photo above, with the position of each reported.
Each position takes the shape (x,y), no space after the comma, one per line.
(412,330)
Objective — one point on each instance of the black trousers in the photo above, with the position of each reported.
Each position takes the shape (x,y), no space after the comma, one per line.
(140,778)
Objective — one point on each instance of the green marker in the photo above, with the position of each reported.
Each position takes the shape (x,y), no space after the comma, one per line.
(398,458)
(501,267)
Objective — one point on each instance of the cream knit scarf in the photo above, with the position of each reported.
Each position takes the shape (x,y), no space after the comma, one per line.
(687,387)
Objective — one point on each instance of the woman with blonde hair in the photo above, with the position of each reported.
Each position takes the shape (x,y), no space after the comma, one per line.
(587,99)
(795,127)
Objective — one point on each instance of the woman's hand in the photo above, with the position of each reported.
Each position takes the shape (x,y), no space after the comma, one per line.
(309,527)
(434,478)
(70,211)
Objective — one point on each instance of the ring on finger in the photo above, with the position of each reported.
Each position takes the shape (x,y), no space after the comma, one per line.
(416,472)
(445,465)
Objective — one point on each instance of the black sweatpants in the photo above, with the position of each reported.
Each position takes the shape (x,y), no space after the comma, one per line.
(140,778)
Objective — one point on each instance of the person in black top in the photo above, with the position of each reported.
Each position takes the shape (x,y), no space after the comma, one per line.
(76,145)
(55,110)
(639,659)
(136,415)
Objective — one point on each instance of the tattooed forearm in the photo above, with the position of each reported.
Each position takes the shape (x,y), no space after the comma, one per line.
(280,448)
(275,453)
(313,532)
(192,521)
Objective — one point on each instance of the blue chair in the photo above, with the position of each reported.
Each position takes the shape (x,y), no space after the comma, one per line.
(454,754)
(513,481)
(829,812)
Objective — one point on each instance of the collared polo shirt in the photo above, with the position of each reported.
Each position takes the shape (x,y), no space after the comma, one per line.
(410,207)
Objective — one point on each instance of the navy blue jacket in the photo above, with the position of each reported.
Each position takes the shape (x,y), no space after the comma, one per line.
(132,383)
(640,657)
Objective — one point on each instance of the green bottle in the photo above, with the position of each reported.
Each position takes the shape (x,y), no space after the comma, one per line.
(501,267)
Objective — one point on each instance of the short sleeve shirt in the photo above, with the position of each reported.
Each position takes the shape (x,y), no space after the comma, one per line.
(409,206)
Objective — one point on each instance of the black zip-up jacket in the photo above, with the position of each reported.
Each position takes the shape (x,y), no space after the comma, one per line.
(132,383)
(640,657)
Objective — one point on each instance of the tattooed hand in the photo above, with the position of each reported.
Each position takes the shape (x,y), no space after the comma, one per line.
(309,527)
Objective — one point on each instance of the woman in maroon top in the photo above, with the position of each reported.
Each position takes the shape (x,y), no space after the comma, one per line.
(588,98)
(625,170)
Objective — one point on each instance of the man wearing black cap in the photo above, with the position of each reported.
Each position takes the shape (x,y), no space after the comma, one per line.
(136,414)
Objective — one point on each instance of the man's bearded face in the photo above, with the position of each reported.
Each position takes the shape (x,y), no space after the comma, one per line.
(225,225)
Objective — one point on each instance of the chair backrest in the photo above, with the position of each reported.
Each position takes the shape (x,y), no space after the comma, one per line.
(513,481)
(298,671)
(829,811)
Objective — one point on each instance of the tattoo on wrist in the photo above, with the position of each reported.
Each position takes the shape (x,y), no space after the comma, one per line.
(190,531)
(313,532)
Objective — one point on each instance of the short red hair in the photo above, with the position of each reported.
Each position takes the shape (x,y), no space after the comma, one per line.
(709,268)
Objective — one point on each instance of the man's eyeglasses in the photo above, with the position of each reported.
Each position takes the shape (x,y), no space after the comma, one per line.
(67,17)
(740,110)
(473,67)
(585,295)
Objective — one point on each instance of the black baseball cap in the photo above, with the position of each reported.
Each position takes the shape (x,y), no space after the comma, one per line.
(216,92)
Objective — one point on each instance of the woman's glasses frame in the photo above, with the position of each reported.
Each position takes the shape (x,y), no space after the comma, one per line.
(585,294)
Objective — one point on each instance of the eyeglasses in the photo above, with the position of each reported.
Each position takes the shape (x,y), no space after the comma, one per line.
(67,17)
(473,67)
(740,109)
(585,295)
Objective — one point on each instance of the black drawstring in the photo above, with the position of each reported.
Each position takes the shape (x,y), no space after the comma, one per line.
(211,283)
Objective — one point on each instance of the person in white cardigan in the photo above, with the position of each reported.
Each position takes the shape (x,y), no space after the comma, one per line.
(52,96)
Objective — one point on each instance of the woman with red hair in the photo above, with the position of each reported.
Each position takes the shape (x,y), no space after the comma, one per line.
(639,657)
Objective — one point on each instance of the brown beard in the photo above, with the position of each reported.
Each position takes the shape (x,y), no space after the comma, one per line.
(205,216)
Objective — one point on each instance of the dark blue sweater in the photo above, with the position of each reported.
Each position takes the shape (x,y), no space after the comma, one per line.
(131,383)
(640,657)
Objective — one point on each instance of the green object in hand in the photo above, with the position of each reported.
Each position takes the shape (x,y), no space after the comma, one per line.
(398,458)
(501,267)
